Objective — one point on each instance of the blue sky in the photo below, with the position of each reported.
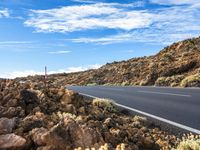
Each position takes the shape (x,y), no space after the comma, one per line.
(74,35)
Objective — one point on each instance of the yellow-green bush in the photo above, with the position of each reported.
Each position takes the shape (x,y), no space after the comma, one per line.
(105,104)
(189,145)
(91,84)
(190,142)
(191,81)
(56,117)
(169,81)
(161,82)
(125,83)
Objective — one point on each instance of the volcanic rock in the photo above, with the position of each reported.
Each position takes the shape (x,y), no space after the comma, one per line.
(11,141)
(7,125)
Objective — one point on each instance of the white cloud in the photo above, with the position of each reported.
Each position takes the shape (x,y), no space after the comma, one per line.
(175,2)
(84,1)
(59,52)
(14,74)
(168,25)
(4,13)
(90,16)
(158,25)
(105,40)
(17,46)
(15,42)
(151,37)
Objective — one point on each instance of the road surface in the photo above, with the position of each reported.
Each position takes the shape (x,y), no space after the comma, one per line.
(177,105)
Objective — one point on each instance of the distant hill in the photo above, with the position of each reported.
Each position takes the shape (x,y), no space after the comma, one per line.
(175,65)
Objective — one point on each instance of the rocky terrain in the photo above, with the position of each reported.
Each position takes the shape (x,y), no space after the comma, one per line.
(175,65)
(38,117)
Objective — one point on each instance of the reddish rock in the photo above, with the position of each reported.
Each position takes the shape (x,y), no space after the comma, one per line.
(70,135)
(11,141)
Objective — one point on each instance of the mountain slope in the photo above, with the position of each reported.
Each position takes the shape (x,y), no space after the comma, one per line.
(170,67)
(175,65)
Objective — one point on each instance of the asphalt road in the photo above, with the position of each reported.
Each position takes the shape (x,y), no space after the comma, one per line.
(178,105)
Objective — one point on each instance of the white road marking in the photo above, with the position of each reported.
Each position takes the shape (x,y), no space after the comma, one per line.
(173,94)
(113,89)
(153,116)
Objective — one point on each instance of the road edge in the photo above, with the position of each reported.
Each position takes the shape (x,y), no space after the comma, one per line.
(158,120)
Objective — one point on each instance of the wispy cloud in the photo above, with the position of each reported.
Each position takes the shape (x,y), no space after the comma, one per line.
(59,52)
(25,73)
(123,37)
(167,26)
(17,45)
(175,2)
(90,16)
(15,42)
(151,37)
(4,13)
(84,1)
(156,25)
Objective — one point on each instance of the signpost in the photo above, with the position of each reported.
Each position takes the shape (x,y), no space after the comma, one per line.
(45,77)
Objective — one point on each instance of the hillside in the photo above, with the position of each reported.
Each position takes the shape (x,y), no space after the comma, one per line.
(175,65)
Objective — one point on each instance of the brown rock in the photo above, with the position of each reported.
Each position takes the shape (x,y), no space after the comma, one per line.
(11,112)
(11,141)
(70,108)
(29,100)
(12,103)
(37,135)
(109,122)
(31,122)
(7,125)
(70,135)
(66,99)
(47,148)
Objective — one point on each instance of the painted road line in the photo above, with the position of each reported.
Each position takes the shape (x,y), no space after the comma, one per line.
(111,89)
(161,93)
(153,116)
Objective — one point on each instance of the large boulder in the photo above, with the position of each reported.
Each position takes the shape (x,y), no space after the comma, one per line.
(68,135)
(11,141)
(29,100)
